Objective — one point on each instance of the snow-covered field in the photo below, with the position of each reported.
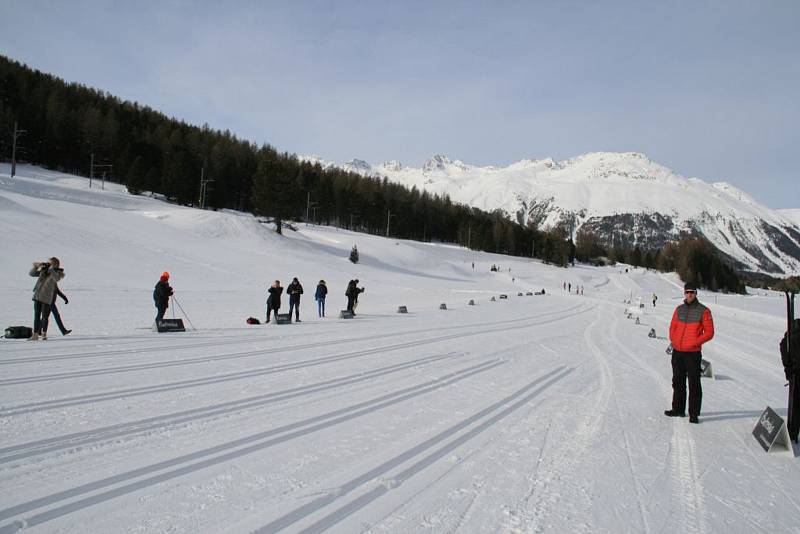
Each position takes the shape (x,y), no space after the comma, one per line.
(531,414)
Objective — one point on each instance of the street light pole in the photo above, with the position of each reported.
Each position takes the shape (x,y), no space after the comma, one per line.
(388,220)
(17,133)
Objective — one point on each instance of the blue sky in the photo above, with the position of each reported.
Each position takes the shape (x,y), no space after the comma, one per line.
(708,88)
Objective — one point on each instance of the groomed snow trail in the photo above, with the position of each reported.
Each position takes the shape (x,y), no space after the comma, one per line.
(540,413)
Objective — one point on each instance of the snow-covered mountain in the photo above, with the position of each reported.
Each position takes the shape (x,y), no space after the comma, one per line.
(624,198)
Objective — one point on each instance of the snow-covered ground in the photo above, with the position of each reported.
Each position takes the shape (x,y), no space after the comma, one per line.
(527,414)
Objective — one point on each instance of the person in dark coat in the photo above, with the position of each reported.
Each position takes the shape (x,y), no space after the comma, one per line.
(47,274)
(294,291)
(319,296)
(274,299)
(56,315)
(161,294)
(352,295)
(790,357)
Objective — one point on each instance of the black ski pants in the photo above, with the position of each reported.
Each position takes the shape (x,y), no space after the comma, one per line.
(57,317)
(41,316)
(686,365)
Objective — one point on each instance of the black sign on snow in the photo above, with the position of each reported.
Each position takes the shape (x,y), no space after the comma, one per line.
(170,325)
(770,430)
(283,318)
(706,369)
(345,314)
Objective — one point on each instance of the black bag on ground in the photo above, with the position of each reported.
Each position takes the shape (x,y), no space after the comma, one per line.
(18,332)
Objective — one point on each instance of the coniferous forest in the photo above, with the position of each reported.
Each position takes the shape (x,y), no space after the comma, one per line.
(69,126)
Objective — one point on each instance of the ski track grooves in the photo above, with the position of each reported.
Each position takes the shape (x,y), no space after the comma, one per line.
(224,342)
(683,454)
(173,420)
(209,457)
(145,390)
(517,399)
(538,501)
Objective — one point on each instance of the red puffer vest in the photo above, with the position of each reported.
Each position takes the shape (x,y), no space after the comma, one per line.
(691,326)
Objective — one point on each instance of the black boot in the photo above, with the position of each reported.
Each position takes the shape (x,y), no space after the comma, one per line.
(674,413)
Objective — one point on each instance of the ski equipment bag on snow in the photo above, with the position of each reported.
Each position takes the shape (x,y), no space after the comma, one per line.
(253,320)
(18,332)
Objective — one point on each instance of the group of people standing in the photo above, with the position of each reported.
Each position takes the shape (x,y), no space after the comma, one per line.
(295,289)
(48,274)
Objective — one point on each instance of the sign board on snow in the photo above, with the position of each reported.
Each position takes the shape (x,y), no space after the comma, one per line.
(170,325)
(770,430)
(706,369)
(345,314)
(283,318)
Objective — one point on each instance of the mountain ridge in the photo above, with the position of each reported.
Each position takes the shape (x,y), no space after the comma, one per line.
(624,197)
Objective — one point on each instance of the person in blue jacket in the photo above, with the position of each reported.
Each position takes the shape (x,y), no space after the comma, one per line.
(319,296)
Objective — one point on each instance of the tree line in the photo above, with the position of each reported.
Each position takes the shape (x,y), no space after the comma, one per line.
(695,259)
(68,125)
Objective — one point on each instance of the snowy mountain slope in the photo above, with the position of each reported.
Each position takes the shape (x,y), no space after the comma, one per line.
(791,214)
(622,197)
(526,414)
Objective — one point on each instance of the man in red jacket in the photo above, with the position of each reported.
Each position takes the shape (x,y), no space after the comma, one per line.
(691,326)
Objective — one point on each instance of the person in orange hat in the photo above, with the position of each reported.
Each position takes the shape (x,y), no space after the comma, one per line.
(161,295)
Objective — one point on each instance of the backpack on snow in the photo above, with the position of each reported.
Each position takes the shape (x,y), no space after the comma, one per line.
(253,320)
(18,332)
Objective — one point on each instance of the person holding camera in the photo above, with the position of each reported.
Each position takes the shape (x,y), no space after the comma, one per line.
(294,291)
(48,274)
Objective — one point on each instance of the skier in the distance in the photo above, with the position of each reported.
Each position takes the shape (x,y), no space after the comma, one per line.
(161,294)
(48,274)
(294,290)
(274,299)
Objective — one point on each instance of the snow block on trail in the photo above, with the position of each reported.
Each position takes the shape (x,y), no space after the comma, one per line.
(706,369)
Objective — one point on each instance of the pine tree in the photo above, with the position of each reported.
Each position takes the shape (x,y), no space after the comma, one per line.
(354,254)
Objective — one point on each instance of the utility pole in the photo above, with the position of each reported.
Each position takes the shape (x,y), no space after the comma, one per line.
(17,133)
(469,237)
(388,219)
(91,170)
(203,187)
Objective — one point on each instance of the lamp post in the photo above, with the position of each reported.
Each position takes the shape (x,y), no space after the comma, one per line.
(388,221)
(17,133)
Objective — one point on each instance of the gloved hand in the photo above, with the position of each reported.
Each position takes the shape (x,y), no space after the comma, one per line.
(669,349)
(66,300)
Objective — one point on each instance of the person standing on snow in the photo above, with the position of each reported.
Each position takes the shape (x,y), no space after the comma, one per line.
(691,326)
(161,294)
(790,357)
(56,315)
(294,291)
(48,274)
(655,298)
(274,299)
(319,296)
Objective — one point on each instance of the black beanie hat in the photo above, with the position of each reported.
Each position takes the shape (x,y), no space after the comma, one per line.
(690,286)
